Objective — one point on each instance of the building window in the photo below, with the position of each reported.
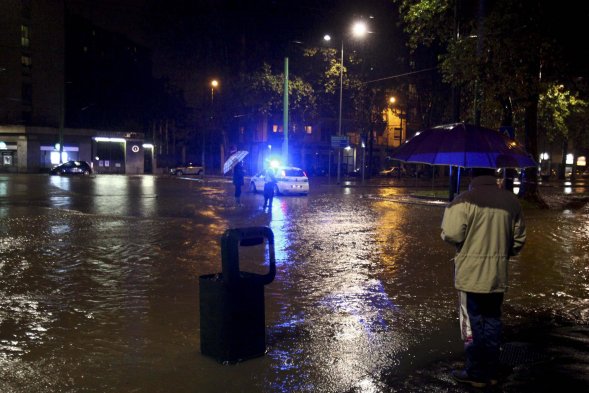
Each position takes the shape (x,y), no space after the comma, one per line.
(397,133)
(27,93)
(27,117)
(26,62)
(25,36)
(26,9)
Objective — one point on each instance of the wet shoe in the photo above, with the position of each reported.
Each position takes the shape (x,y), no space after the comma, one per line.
(462,377)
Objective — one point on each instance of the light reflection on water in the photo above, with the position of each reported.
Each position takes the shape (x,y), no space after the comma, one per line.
(345,312)
(550,276)
(99,299)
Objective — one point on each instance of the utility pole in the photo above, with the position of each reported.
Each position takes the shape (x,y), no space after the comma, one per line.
(61,123)
(339,119)
(285,115)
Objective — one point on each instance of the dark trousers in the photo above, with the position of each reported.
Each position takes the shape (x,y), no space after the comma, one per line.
(482,355)
(268,194)
(237,190)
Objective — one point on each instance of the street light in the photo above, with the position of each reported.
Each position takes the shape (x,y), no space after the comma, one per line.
(392,101)
(359,29)
(398,112)
(214,84)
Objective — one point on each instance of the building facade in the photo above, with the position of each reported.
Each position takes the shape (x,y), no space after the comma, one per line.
(37,63)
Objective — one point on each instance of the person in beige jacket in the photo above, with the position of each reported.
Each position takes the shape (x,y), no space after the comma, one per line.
(486,226)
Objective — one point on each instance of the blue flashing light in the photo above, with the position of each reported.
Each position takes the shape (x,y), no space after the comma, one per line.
(274,164)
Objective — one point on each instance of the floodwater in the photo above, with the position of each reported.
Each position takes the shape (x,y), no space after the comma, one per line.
(99,284)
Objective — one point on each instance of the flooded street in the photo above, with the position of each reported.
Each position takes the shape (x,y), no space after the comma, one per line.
(99,284)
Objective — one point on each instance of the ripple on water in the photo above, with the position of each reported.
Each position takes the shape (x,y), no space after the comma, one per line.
(363,289)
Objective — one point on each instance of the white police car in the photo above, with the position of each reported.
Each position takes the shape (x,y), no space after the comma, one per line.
(289,180)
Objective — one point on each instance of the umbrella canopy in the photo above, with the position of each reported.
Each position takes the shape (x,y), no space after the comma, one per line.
(464,145)
(233,160)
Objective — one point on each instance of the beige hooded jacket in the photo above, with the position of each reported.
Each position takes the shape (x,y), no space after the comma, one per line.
(486,224)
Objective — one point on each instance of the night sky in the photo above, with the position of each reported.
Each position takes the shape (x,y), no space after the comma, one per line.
(187,37)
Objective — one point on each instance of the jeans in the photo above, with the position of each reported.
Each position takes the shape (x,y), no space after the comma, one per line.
(482,354)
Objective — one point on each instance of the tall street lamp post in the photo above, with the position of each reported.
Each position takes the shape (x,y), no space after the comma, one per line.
(392,101)
(214,84)
(359,29)
(339,117)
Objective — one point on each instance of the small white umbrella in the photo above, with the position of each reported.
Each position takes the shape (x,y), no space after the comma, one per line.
(234,159)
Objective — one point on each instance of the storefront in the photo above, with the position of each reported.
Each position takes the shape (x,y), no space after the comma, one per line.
(36,149)
(8,156)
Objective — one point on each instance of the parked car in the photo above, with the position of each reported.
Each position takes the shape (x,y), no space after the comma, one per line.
(355,173)
(289,180)
(186,169)
(393,172)
(425,172)
(72,168)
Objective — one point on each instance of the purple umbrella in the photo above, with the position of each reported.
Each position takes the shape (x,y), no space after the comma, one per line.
(465,146)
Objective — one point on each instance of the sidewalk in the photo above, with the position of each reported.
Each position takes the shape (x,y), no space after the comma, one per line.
(534,359)
(578,185)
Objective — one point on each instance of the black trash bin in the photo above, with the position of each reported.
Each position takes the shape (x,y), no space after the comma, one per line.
(232,316)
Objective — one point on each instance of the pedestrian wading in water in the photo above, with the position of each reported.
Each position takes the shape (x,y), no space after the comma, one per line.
(238,182)
(486,226)
(269,185)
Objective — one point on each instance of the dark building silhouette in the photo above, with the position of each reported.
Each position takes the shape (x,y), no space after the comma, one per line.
(69,90)
(108,78)
(32,62)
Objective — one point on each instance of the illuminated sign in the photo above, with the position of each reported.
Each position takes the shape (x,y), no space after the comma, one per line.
(339,141)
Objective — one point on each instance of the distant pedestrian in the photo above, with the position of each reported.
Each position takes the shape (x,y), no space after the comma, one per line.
(269,185)
(238,181)
(487,227)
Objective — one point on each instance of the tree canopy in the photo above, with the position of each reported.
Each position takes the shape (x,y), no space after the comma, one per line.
(505,57)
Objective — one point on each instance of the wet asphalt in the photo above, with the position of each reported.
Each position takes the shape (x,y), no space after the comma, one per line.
(550,358)
(543,354)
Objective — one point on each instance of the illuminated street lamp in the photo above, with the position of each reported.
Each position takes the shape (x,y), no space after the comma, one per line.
(214,85)
(402,130)
(359,29)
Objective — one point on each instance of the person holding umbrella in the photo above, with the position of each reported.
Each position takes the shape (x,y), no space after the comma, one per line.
(486,226)
(238,181)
